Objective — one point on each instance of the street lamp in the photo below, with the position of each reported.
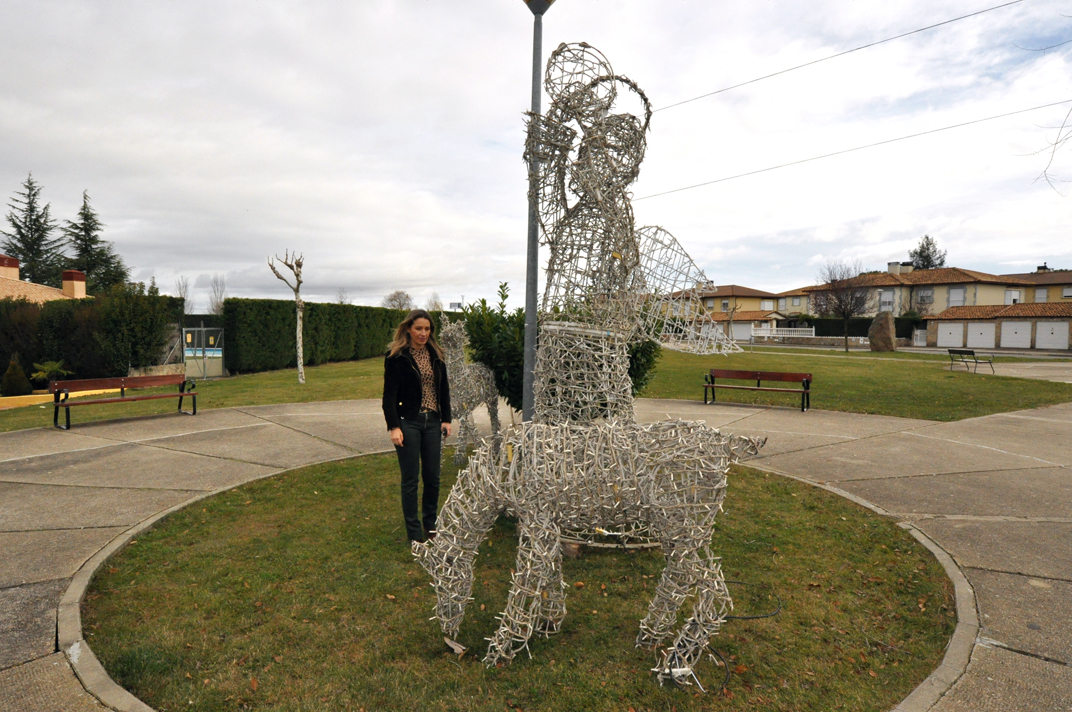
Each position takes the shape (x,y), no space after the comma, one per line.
(532,266)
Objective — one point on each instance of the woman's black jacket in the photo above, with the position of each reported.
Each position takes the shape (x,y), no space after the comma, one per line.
(402,387)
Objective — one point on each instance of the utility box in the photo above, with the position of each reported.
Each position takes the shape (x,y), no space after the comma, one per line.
(203,352)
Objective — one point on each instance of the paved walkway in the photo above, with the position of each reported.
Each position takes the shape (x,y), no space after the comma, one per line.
(993,492)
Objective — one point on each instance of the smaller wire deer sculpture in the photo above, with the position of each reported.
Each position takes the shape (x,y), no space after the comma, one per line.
(471,386)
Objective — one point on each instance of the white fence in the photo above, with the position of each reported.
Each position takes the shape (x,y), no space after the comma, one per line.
(790,333)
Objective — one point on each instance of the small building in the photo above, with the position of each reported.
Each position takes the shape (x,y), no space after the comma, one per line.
(794,301)
(1035,325)
(738,325)
(11,287)
(734,297)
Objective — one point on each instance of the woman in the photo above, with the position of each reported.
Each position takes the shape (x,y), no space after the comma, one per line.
(416,404)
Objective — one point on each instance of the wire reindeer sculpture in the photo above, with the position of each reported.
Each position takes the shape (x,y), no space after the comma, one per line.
(471,385)
(584,464)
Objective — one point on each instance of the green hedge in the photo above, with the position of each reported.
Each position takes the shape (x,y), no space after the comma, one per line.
(96,337)
(260,333)
(825,326)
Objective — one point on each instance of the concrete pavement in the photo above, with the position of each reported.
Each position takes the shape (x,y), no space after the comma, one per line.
(992,496)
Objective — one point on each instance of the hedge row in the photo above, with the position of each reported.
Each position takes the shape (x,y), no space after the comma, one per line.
(825,326)
(260,333)
(97,337)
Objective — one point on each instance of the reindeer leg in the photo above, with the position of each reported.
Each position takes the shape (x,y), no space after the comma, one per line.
(461,443)
(493,415)
(553,595)
(713,602)
(674,587)
(538,551)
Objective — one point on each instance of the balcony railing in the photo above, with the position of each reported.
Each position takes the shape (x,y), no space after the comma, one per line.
(788,333)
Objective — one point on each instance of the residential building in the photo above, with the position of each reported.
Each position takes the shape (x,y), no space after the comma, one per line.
(738,325)
(11,287)
(901,288)
(795,301)
(734,297)
(1047,285)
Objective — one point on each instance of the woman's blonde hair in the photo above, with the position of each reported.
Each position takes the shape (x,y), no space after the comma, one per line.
(402,340)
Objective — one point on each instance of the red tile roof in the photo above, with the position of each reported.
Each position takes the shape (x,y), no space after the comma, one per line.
(943,275)
(37,293)
(1061,276)
(736,290)
(1032,310)
(746,316)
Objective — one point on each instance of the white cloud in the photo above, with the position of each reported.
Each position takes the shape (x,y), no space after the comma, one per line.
(383,139)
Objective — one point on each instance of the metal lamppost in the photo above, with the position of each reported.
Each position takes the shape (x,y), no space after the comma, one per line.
(532,266)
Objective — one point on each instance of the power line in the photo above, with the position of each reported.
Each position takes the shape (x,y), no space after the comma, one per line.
(850,150)
(841,54)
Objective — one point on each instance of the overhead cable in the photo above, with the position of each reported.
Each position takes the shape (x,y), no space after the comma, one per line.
(841,54)
(850,150)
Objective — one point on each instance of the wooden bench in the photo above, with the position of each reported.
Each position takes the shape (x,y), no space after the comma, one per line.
(804,379)
(66,388)
(968,356)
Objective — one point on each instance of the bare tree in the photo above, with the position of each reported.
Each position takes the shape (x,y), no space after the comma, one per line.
(182,291)
(842,293)
(341,297)
(434,303)
(295,265)
(397,299)
(1064,133)
(219,293)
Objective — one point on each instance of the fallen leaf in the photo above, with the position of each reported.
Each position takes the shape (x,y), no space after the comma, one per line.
(872,673)
(390,597)
(253,684)
(741,669)
(579,584)
(482,606)
(189,676)
(277,658)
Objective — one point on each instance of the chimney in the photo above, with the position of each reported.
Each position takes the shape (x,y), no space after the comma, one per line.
(74,284)
(906,267)
(9,267)
(893,267)
(1041,268)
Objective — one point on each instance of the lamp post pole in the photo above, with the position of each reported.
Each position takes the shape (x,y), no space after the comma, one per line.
(532,264)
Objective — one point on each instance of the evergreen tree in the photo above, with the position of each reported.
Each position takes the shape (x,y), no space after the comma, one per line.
(927,255)
(30,242)
(94,256)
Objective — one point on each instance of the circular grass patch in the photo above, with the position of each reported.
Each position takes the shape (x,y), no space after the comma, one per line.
(299,592)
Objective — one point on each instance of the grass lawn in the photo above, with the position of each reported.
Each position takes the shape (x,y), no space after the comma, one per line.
(299,593)
(912,385)
(909,388)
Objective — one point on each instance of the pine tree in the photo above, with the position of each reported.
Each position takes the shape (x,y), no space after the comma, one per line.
(93,255)
(927,255)
(30,242)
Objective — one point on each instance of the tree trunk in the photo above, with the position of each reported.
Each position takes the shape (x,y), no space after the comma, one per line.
(301,353)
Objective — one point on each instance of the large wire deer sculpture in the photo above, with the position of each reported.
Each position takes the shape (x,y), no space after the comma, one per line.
(584,464)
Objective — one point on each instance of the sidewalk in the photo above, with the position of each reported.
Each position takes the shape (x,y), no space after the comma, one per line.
(994,492)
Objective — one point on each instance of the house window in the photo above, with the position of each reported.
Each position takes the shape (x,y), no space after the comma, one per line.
(885,300)
(1067,292)
(926,296)
(781,304)
(1040,294)
(1012,296)
(710,303)
(956,296)
(766,304)
(796,301)
(725,305)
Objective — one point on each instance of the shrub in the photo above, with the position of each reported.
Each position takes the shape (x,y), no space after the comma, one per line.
(15,382)
(133,327)
(643,357)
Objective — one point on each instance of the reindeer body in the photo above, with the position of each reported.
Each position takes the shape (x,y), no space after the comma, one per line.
(471,386)
(670,475)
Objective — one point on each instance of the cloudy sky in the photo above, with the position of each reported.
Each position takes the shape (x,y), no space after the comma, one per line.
(383,138)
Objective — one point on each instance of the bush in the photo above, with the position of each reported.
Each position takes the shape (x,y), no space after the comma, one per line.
(15,382)
(18,330)
(643,357)
(133,327)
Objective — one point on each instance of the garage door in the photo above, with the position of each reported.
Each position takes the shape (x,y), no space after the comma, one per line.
(1016,334)
(980,335)
(951,336)
(1051,335)
(741,331)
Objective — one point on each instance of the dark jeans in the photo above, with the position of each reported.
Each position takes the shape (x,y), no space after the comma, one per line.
(419,456)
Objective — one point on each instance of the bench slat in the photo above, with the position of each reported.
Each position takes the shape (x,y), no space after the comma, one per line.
(753,388)
(124,399)
(759,375)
